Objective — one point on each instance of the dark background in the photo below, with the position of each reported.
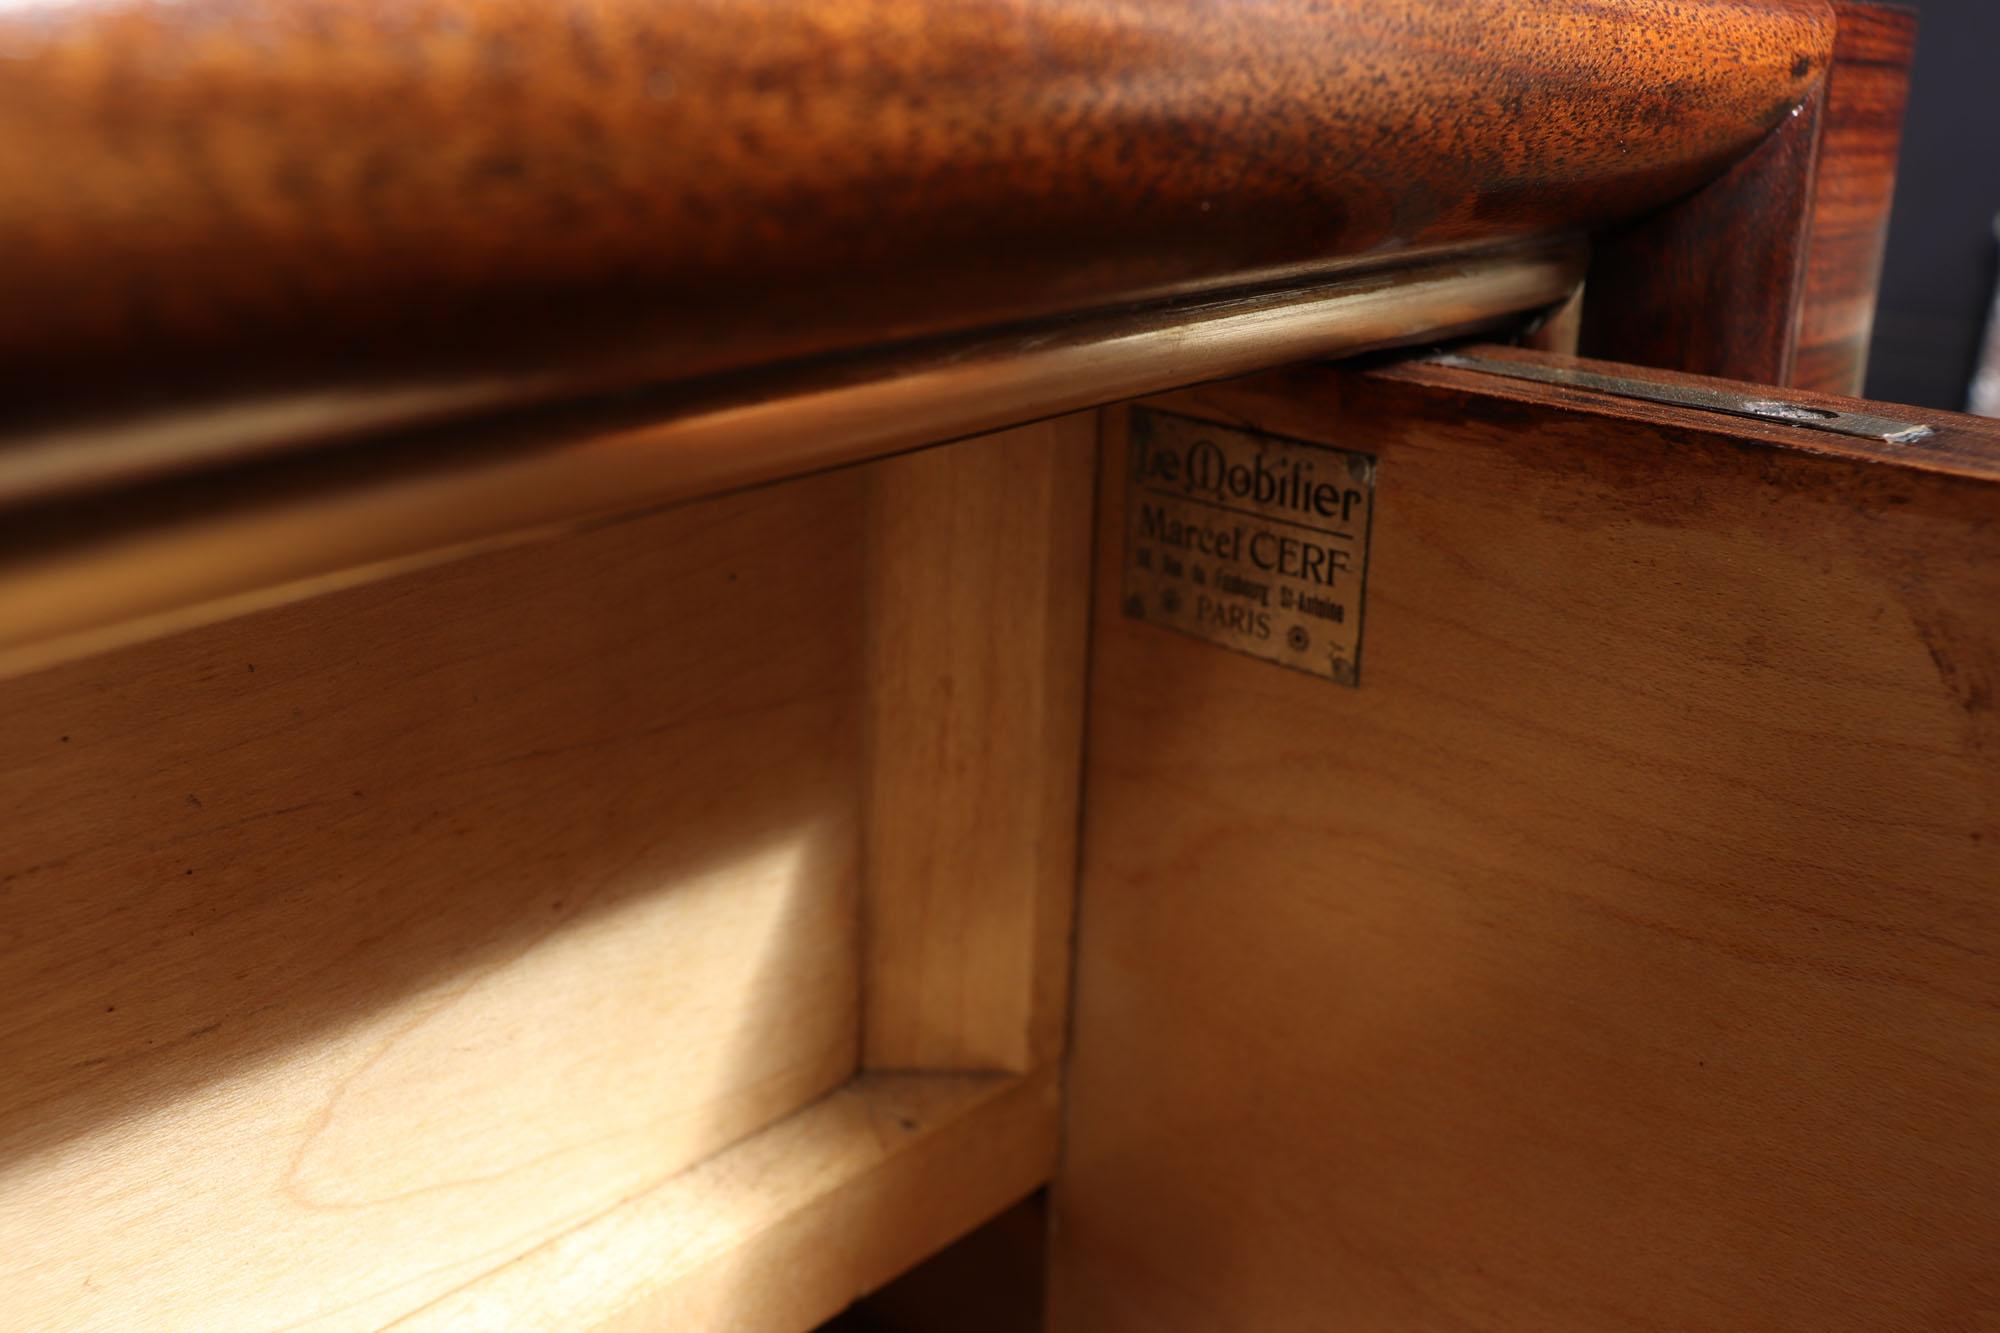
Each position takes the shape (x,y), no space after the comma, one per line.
(1937,284)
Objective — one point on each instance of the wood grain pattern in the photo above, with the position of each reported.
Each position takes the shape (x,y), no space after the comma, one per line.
(979,559)
(1714,285)
(354,950)
(233,197)
(1620,955)
(1874,49)
(781,1231)
(1769,273)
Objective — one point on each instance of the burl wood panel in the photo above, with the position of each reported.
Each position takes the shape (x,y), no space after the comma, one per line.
(353,951)
(1619,955)
(1770,272)
(228,195)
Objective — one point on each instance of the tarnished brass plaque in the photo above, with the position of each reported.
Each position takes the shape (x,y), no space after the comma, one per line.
(1252,541)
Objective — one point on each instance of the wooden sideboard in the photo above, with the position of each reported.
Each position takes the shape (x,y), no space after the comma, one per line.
(655,656)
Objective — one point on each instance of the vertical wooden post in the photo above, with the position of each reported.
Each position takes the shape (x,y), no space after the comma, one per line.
(979,580)
(1865,95)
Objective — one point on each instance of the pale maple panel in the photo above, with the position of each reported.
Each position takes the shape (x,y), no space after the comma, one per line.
(979,578)
(781,1231)
(353,950)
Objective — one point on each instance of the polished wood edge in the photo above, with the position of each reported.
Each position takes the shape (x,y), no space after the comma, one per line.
(1770,272)
(1714,284)
(1961,448)
(1866,93)
(98,453)
(257,201)
(82,577)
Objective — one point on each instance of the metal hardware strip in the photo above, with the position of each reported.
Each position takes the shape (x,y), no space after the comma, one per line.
(1859,425)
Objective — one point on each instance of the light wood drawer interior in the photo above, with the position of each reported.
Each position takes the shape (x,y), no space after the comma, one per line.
(664,924)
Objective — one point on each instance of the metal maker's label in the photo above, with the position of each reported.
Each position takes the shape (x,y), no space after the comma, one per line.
(1253,541)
